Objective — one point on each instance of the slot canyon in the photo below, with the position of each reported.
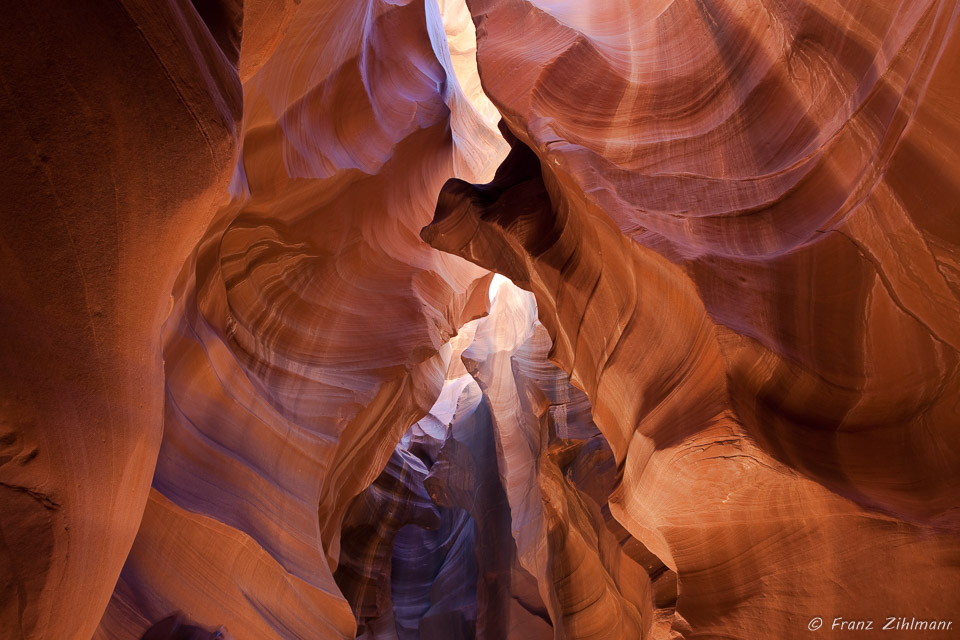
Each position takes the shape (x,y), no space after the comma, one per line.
(480,319)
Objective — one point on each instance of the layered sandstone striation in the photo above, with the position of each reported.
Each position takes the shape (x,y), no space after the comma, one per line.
(119,123)
(737,262)
(309,327)
(259,379)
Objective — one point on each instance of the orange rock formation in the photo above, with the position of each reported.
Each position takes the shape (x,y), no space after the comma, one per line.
(259,379)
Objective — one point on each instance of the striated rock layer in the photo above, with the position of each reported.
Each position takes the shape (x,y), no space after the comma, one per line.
(250,390)
(742,264)
(118,125)
(119,120)
(490,520)
(309,326)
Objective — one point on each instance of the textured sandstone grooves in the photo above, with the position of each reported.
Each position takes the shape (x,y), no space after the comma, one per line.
(119,122)
(518,476)
(557,472)
(780,397)
(103,107)
(308,327)
(782,415)
(795,163)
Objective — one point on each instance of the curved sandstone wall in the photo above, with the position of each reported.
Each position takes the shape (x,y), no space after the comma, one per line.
(260,380)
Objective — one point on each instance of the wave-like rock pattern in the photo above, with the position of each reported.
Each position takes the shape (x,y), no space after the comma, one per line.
(726,402)
(309,327)
(557,471)
(715,427)
(491,520)
(434,557)
(119,121)
(794,162)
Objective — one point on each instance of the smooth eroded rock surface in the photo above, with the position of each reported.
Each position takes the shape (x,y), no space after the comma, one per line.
(298,345)
(739,266)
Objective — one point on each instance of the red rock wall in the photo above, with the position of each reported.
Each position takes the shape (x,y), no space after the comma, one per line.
(119,121)
(309,327)
(245,389)
(726,279)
